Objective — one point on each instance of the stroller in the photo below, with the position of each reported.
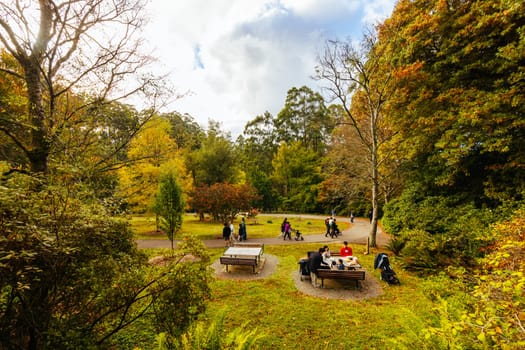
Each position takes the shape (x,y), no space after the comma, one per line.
(298,235)
(304,270)
(387,273)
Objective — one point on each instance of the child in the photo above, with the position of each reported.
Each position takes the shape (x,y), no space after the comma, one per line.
(340,266)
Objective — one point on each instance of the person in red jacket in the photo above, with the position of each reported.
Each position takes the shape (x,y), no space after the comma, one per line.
(345,250)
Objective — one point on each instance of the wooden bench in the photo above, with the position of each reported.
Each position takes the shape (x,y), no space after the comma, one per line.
(246,261)
(250,245)
(355,275)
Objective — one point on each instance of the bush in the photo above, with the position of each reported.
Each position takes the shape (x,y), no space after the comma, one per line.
(82,273)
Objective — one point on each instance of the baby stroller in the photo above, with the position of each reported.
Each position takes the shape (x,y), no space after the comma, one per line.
(387,273)
(304,270)
(298,236)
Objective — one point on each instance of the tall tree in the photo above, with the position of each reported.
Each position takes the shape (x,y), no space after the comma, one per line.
(169,205)
(304,118)
(296,176)
(215,161)
(258,145)
(62,48)
(460,110)
(148,154)
(360,79)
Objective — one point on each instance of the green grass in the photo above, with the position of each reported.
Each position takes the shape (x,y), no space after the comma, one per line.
(260,227)
(292,320)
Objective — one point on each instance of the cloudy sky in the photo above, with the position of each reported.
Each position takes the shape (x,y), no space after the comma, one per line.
(238,58)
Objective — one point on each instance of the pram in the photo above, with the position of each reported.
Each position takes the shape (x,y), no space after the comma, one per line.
(298,235)
(388,275)
(304,270)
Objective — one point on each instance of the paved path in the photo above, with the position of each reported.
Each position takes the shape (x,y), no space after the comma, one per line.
(357,233)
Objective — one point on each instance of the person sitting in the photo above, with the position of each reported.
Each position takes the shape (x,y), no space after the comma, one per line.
(327,259)
(315,260)
(345,250)
(340,264)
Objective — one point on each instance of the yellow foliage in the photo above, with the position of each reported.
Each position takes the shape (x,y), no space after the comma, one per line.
(151,154)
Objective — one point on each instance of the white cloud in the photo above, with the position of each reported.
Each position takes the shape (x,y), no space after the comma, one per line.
(239,58)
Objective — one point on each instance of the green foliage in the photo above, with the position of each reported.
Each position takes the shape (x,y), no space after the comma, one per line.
(183,293)
(213,336)
(215,161)
(458,120)
(169,205)
(297,175)
(396,244)
(71,276)
(483,309)
(436,231)
(304,119)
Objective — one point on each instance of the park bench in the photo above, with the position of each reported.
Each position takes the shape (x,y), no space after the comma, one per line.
(246,261)
(355,275)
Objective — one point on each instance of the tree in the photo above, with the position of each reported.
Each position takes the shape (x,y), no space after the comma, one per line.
(65,49)
(296,175)
(186,132)
(346,184)
(72,277)
(169,205)
(151,153)
(215,161)
(361,80)
(257,146)
(223,201)
(459,110)
(304,118)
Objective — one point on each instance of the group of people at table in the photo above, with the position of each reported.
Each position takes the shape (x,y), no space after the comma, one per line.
(323,259)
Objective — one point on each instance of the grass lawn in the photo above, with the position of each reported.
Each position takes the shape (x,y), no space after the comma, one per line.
(292,320)
(259,227)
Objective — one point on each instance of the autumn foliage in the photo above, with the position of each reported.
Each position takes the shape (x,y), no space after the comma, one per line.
(222,201)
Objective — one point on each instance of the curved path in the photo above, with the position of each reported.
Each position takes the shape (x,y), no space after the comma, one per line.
(357,233)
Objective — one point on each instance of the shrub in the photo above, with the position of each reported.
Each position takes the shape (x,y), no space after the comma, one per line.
(396,244)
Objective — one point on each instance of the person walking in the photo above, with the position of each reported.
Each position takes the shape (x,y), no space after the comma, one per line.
(242,230)
(282,226)
(233,237)
(226,232)
(327,224)
(287,230)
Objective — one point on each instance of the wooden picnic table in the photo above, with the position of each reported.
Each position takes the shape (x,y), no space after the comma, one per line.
(242,256)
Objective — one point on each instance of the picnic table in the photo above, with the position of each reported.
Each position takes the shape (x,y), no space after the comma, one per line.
(255,252)
(242,256)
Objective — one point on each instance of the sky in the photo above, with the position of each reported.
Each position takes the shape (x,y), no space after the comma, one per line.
(236,59)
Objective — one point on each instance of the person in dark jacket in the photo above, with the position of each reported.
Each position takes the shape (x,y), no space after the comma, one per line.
(226,232)
(315,263)
(242,230)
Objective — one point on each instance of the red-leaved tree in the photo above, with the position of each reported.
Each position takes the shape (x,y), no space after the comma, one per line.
(223,200)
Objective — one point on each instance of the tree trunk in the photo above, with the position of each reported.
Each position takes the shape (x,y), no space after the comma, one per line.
(38,150)
(375,179)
